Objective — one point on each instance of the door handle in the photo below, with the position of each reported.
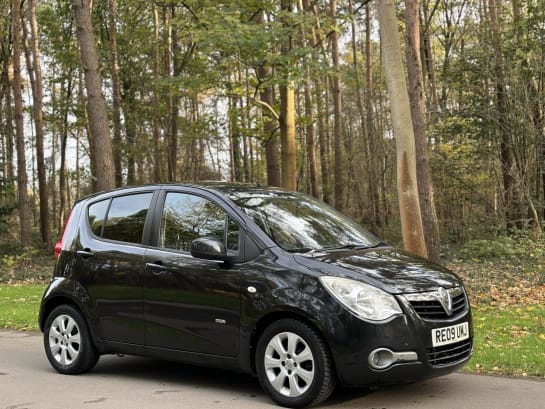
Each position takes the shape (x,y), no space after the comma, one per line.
(84,254)
(157,268)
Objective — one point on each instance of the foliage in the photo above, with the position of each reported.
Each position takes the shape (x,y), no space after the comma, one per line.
(30,265)
(7,202)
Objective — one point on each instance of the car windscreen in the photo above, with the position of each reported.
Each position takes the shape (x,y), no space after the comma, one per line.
(298,223)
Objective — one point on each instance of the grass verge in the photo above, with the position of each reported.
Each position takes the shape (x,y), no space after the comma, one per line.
(509,340)
(19,305)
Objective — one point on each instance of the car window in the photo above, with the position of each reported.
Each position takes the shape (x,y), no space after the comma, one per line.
(97,216)
(126,218)
(300,223)
(187,217)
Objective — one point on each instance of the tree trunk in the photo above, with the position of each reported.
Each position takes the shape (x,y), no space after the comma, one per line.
(371,146)
(22,181)
(409,206)
(96,105)
(157,157)
(309,113)
(116,93)
(269,127)
(511,190)
(416,97)
(45,228)
(287,117)
(337,114)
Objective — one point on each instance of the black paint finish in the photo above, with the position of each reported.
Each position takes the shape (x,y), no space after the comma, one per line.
(141,299)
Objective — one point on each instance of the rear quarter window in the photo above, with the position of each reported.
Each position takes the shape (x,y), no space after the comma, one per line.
(121,218)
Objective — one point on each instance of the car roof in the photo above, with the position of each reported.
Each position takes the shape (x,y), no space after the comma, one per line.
(230,189)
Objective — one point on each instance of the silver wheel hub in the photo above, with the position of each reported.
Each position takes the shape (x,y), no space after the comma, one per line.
(64,340)
(289,364)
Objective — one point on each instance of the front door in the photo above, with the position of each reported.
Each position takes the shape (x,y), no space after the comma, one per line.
(191,304)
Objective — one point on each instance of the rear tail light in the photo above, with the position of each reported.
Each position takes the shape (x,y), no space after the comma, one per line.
(58,246)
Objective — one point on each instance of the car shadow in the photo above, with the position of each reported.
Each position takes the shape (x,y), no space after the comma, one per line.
(172,374)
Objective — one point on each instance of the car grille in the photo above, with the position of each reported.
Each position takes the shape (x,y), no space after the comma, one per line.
(429,307)
(450,354)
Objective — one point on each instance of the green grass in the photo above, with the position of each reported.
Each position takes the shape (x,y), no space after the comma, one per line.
(19,306)
(509,340)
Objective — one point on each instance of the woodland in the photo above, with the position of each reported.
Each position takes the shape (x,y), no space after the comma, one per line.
(422,120)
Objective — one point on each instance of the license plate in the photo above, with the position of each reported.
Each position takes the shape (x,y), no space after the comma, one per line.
(449,335)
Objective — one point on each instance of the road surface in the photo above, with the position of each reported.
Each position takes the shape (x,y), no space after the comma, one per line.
(27,381)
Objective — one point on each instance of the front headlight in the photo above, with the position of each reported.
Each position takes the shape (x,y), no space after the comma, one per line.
(364,300)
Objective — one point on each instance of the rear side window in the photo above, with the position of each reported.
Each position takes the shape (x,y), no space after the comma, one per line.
(97,216)
(122,218)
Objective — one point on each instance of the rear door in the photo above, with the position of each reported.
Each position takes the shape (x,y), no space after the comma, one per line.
(191,304)
(110,265)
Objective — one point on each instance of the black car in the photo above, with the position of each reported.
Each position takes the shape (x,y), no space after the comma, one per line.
(259,280)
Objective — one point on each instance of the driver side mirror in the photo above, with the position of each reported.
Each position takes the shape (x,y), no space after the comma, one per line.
(209,248)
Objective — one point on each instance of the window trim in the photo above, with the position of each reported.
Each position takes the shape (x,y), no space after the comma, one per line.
(147,221)
(227,211)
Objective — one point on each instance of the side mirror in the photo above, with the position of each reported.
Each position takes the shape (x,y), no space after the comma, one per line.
(209,248)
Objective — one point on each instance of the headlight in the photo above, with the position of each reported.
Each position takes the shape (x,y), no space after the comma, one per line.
(364,300)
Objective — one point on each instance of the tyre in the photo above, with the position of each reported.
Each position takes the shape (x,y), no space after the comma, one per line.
(294,365)
(67,341)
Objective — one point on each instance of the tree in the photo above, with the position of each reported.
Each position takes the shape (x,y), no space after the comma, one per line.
(37,89)
(116,92)
(287,111)
(409,206)
(22,181)
(416,98)
(101,146)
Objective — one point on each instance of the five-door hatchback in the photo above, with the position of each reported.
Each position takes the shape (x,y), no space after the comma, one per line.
(259,280)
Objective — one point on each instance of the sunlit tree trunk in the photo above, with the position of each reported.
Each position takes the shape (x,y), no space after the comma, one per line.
(287,117)
(409,206)
(96,105)
(416,98)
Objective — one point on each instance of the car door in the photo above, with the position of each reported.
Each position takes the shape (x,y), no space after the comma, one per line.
(191,304)
(110,266)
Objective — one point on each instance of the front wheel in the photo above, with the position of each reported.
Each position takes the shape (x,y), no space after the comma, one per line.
(294,365)
(67,342)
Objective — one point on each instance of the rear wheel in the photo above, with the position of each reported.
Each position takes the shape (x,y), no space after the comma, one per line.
(67,342)
(293,364)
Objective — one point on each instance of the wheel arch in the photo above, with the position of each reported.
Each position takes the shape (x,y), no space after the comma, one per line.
(274,316)
(50,304)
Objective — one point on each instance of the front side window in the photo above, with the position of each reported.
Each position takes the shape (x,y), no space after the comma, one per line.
(187,217)
(124,220)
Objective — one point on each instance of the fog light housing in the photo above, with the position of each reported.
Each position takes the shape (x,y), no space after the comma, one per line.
(383,358)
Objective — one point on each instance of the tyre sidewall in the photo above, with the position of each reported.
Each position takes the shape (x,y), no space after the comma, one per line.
(87,356)
(316,345)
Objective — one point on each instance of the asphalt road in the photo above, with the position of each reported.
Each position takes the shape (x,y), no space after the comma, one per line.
(27,381)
